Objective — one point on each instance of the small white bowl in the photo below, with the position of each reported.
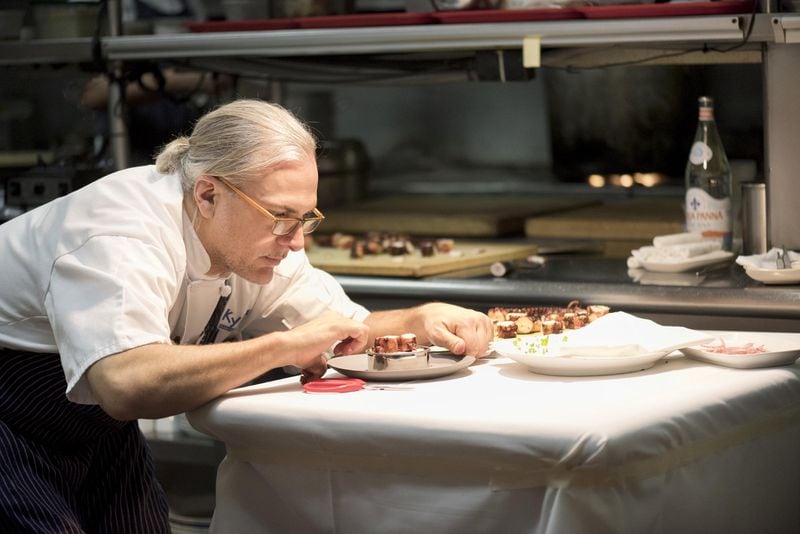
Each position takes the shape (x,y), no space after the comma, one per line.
(775,276)
(780,349)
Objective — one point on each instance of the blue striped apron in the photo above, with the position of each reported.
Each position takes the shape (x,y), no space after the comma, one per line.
(66,467)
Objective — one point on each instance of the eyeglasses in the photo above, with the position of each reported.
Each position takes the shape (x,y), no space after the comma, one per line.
(281,225)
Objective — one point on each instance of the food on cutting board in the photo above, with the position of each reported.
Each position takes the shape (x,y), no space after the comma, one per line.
(373,243)
(510,322)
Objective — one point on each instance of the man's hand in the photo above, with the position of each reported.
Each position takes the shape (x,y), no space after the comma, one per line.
(460,330)
(306,343)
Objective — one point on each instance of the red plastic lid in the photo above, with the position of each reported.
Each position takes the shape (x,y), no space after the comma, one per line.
(333,385)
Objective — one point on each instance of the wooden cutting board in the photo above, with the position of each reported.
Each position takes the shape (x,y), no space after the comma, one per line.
(445,215)
(466,254)
(635,219)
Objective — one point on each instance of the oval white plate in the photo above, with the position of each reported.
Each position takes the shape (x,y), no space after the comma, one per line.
(441,364)
(688,264)
(579,365)
(780,351)
(773,276)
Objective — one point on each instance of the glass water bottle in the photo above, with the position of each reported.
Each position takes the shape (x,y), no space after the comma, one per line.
(708,180)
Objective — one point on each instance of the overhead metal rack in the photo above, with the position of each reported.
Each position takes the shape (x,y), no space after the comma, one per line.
(426,38)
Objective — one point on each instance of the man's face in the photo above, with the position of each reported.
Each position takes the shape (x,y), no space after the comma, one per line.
(239,238)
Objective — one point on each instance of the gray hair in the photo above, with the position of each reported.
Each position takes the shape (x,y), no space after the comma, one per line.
(239,141)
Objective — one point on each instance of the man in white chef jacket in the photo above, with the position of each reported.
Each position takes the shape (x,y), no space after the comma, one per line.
(114,301)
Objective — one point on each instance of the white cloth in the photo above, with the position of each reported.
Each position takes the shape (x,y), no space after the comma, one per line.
(673,248)
(769,260)
(681,447)
(677,239)
(117,264)
(623,334)
(671,253)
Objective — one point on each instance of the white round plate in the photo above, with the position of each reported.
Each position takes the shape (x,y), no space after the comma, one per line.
(441,364)
(780,351)
(774,276)
(688,264)
(579,365)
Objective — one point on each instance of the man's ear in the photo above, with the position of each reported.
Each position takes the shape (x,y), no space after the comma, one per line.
(205,194)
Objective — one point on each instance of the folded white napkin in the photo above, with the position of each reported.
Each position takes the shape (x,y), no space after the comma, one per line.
(675,252)
(768,260)
(621,334)
(673,248)
(677,239)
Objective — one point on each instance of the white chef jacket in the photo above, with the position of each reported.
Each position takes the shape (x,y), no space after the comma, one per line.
(117,265)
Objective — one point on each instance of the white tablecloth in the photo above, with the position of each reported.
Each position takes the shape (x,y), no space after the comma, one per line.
(683,447)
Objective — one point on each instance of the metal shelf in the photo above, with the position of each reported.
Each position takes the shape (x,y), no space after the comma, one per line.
(46,51)
(786,28)
(427,38)
(685,32)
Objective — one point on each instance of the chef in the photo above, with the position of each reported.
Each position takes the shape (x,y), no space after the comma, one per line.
(116,301)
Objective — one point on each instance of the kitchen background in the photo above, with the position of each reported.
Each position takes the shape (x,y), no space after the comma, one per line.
(446,126)
(539,136)
(455,130)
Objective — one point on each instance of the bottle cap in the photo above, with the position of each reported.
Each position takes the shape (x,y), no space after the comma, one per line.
(706,108)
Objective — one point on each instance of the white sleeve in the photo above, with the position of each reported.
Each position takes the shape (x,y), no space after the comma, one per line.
(111,294)
(308,294)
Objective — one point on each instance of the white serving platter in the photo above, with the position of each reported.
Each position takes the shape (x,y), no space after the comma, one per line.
(779,351)
(539,360)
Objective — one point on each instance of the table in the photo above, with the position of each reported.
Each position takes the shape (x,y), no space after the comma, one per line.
(682,447)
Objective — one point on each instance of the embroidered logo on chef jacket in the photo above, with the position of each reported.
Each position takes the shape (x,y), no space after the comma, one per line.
(228,321)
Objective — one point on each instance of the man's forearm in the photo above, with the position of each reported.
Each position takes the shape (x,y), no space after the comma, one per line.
(390,322)
(159,380)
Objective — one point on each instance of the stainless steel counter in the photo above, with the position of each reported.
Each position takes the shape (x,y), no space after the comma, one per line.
(724,298)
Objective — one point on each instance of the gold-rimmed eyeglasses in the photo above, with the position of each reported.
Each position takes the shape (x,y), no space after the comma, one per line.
(280,225)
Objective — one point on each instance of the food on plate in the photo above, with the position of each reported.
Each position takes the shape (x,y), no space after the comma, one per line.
(574,321)
(596,311)
(541,346)
(408,342)
(747,348)
(397,353)
(395,343)
(543,319)
(552,326)
(505,329)
(525,324)
(385,344)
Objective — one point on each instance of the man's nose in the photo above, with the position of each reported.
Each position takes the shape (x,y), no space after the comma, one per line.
(296,238)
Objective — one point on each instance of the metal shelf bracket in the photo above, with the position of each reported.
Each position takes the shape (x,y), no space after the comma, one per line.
(786,28)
